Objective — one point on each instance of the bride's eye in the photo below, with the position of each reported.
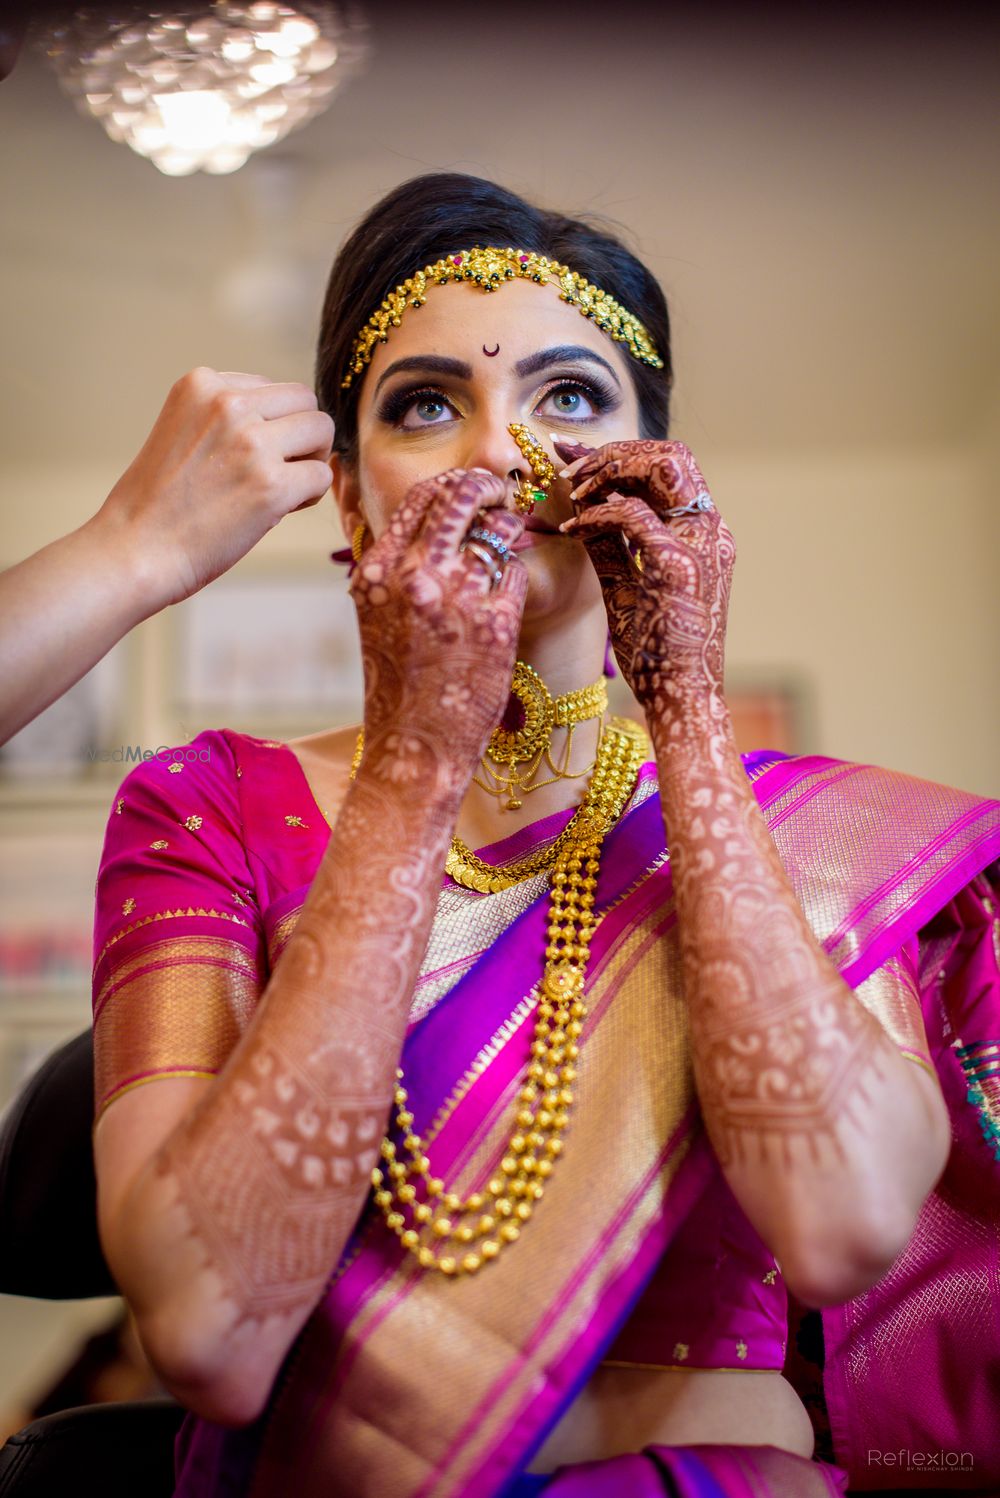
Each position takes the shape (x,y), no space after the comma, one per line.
(426,411)
(410,410)
(573,401)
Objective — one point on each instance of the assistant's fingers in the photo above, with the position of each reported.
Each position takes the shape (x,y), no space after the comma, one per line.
(239,379)
(271,402)
(303,434)
(304,481)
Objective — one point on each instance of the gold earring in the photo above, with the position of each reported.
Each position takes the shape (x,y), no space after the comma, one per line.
(358,541)
(526,497)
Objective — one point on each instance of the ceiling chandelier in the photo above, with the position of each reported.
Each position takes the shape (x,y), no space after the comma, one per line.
(200,87)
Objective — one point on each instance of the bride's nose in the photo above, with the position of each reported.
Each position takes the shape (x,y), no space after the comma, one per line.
(494,448)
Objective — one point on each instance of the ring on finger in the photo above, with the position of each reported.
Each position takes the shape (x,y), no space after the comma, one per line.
(488,560)
(492,540)
(701,503)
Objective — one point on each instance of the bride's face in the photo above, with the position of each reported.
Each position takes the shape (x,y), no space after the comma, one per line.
(442,391)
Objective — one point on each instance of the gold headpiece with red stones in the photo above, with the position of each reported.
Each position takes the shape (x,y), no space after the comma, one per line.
(489,268)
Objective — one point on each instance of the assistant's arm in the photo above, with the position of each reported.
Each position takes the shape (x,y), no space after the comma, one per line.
(229,455)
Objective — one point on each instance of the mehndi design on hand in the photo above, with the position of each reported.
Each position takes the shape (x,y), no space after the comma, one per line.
(668,621)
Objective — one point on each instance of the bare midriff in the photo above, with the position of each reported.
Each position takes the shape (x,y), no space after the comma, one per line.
(624,1409)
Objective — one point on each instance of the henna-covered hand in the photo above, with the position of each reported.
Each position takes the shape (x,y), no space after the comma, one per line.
(438,641)
(668,620)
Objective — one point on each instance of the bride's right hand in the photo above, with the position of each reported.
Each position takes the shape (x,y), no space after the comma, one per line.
(438,641)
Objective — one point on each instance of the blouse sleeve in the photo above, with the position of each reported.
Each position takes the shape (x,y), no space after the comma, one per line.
(179,954)
(892,995)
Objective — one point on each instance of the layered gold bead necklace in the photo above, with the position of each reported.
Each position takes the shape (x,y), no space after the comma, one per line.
(445,1232)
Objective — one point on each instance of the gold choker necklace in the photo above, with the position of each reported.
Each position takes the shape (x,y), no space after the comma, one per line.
(531,743)
(456,1236)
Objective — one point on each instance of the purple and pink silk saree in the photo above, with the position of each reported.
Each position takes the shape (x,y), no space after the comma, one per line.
(406,1385)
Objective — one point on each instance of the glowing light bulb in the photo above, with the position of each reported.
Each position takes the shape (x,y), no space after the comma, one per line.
(195,120)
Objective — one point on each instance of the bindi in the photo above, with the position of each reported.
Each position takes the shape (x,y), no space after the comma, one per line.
(491,353)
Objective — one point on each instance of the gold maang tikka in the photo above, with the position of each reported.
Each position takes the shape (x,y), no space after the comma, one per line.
(526,496)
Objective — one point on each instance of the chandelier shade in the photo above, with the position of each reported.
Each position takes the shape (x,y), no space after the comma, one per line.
(201,87)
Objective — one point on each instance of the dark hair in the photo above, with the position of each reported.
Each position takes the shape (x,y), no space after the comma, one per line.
(428,217)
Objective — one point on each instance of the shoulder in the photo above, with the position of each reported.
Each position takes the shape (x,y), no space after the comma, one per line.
(333,747)
(196,784)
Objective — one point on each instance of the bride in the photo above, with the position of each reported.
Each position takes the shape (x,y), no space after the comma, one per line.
(512,1066)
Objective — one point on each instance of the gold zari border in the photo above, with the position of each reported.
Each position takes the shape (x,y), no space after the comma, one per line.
(176,1008)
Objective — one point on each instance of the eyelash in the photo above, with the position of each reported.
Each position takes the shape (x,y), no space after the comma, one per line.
(397,402)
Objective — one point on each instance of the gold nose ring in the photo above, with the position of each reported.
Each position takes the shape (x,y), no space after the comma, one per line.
(526,496)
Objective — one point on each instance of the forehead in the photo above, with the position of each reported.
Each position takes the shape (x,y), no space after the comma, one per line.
(520,316)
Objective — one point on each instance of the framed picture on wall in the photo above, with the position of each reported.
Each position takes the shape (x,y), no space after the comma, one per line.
(66,741)
(271,651)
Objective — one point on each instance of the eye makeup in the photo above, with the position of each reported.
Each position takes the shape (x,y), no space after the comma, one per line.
(602,395)
(394,405)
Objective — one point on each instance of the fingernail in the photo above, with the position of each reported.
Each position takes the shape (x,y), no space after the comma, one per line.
(580,448)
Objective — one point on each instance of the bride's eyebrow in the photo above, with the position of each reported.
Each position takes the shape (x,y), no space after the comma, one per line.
(561,353)
(438,364)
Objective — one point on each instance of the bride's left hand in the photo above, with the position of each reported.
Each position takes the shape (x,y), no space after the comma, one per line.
(668,621)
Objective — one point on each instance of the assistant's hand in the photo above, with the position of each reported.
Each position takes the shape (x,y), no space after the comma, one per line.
(437,639)
(668,621)
(229,456)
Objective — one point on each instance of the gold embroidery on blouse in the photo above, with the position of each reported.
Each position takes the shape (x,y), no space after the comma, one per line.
(175,767)
(295,822)
(168,915)
(741,1349)
(192,823)
(770,1277)
(239,899)
(128,906)
(161,842)
(272,743)
(681,1350)
(239,772)
(118,808)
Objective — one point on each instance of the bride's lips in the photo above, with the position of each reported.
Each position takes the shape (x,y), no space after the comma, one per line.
(532,536)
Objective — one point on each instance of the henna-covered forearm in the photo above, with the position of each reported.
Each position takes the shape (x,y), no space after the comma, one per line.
(828,1137)
(242,1213)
